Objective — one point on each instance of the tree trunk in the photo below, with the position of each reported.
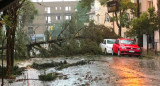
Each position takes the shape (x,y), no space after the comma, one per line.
(8,53)
(119,25)
(13,38)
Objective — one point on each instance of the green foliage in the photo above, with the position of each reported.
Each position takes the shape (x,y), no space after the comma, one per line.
(145,24)
(48,65)
(82,62)
(82,16)
(8,21)
(121,17)
(20,44)
(15,71)
(47,77)
(43,53)
(71,47)
(87,3)
(27,13)
(91,47)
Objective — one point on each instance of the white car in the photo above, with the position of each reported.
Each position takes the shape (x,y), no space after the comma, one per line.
(107,45)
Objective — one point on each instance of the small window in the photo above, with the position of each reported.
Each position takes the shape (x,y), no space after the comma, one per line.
(69,8)
(66,8)
(117,42)
(68,17)
(104,42)
(48,19)
(110,41)
(58,17)
(56,8)
(60,8)
(48,9)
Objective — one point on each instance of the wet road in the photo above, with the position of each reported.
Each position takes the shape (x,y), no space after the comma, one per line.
(135,72)
(104,71)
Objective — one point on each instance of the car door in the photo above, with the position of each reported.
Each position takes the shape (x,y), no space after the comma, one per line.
(116,46)
(103,45)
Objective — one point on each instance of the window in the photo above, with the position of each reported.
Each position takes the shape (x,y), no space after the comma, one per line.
(47,9)
(127,42)
(117,42)
(110,41)
(104,42)
(56,8)
(60,8)
(107,18)
(48,19)
(150,3)
(67,8)
(68,17)
(58,17)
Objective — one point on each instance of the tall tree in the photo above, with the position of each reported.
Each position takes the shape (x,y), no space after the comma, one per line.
(145,24)
(11,20)
(121,16)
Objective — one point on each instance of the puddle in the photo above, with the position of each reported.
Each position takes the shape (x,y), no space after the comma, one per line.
(135,72)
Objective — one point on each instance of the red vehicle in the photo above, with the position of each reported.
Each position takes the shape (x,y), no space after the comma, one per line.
(123,46)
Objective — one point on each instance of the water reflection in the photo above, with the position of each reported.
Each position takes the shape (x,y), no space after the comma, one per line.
(129,72)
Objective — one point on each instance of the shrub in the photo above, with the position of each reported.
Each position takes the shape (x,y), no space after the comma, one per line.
(15,71)
(91,47)
(47,77)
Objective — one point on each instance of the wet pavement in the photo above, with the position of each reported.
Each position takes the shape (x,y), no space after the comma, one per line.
(135,72)
(103,71)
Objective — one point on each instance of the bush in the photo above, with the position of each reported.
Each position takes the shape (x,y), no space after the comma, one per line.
(91,47)
(15,71)
(71,47)
(48,77)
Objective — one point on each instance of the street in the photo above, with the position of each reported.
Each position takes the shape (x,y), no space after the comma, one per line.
(103,71)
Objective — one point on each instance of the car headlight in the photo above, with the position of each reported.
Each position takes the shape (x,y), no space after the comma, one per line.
(138,48)
(123,47)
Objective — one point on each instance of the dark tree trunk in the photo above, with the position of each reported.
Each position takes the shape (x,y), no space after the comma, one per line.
(8,53)
(118,24)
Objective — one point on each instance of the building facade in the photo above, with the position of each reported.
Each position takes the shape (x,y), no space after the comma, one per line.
(100,15)
(50,14)
(145,4)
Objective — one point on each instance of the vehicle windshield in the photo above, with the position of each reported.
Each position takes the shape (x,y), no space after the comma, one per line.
(127,42)
(110,41)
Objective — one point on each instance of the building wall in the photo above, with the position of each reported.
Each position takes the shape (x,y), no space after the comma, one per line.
(49,12)
(101,16)
(144,7)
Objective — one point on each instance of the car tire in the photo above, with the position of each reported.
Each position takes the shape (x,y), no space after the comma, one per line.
(119,53)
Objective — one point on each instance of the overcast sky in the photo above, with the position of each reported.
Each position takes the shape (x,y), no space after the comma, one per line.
(51,0)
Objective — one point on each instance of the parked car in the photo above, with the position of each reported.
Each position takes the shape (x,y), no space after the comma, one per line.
(123,46)
(106,46)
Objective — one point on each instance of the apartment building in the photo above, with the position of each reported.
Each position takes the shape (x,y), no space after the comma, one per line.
(49,14)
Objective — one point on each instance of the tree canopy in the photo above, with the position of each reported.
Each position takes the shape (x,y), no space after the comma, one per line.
(145,24)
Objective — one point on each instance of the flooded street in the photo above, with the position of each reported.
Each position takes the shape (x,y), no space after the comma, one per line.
(135,72)
(102,71)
